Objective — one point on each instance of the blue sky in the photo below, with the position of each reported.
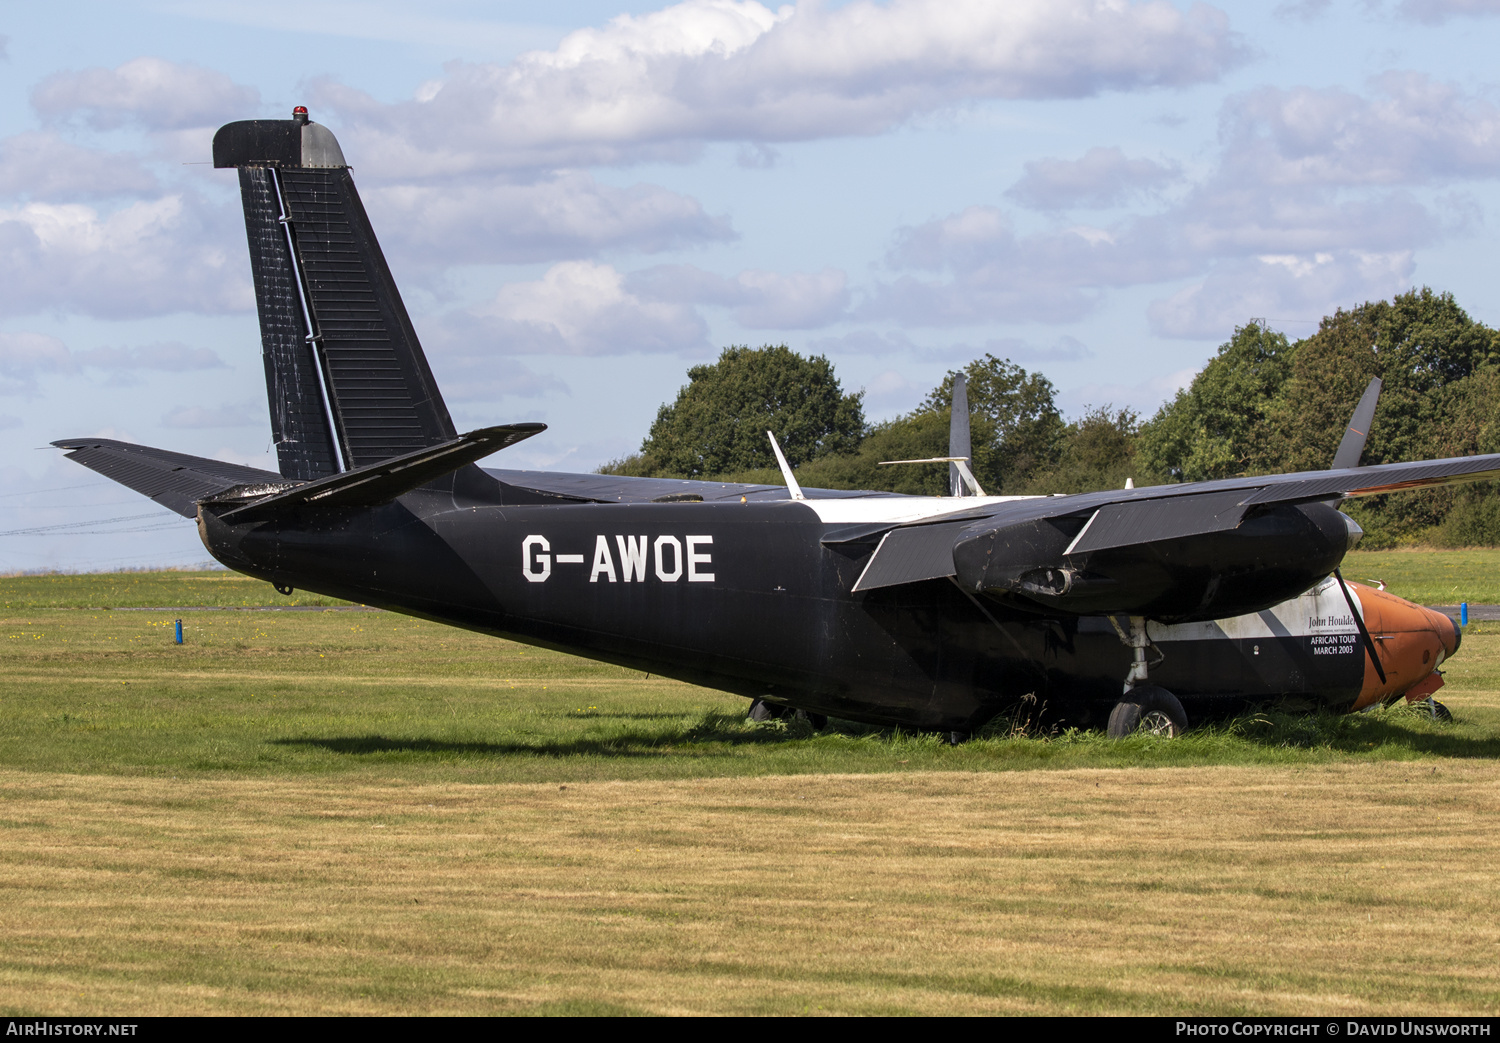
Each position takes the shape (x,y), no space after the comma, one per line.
(580,200)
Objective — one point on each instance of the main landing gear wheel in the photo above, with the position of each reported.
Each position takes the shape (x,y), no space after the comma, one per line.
(762,711)
(1147,708)
(817,721)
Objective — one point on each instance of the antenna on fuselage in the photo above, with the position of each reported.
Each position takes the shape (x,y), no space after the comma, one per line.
(786,470)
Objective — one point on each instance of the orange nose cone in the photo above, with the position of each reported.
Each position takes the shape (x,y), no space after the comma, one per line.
(1411,641)
(1457,637)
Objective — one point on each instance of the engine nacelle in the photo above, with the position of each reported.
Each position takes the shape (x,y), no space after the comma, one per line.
(1272,554)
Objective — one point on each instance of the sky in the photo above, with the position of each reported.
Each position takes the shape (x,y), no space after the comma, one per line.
(582,200)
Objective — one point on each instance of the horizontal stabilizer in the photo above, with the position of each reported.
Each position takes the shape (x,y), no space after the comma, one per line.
(1147,521)
(912,554)
(382,482)
(174,480)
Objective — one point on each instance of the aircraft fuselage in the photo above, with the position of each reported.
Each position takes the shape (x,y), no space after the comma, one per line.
(746,598)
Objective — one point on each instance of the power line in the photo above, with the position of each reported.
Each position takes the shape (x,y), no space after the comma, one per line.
(61,529)
(58,489)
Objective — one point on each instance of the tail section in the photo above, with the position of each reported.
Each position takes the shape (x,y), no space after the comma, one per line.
(347,380)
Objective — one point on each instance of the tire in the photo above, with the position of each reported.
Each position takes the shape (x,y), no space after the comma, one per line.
(817,721)
(955,738)
(1147,708)
(762,711)
(1439,711)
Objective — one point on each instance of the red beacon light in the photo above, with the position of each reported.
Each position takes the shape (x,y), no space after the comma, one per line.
(300,114)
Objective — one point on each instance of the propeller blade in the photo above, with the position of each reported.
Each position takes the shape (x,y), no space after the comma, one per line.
(1353,445)
(958,438)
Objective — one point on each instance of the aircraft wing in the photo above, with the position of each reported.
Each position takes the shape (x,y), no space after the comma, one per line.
(1061,533)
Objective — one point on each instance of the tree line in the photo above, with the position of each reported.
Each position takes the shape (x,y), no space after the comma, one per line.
(1262,405)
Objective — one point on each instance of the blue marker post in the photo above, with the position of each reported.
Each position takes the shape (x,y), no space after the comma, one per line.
(1463,614)
(179,631)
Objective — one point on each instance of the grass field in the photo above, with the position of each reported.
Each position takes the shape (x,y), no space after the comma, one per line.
(1431,577)
(216,588)
(351,811)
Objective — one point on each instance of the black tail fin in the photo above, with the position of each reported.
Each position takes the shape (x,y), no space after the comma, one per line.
(347,380)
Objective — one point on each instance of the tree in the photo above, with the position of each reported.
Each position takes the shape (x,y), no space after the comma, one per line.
(1098,452)
(719,422)
(1015,427)
(1219,425)
(1427,352)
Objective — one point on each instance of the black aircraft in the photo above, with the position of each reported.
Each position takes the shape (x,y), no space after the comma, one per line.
(930,613)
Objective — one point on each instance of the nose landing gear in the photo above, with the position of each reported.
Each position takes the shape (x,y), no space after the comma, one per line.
(1144,707)
(1150,709)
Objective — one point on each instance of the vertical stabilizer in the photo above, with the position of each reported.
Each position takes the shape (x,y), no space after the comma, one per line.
(958,436)
(340,349)
(299,415)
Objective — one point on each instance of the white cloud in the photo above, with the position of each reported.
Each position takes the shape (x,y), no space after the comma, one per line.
(1063,349)
(1103,177)
(149,258)
(576,308)
(1305,175)
(760,299)
(1302,10)
(756,156)
(1410,130)
(564,215)
(1279,288)
(151,92)
(802,300)
(867,343)
(198,417)
(42,166)
(890,391)
(392,21)
(989,272)
(25,355)
(1145,397)
(467,373)
(1435,12)
(168,356)
(660,84)
(1221,220)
